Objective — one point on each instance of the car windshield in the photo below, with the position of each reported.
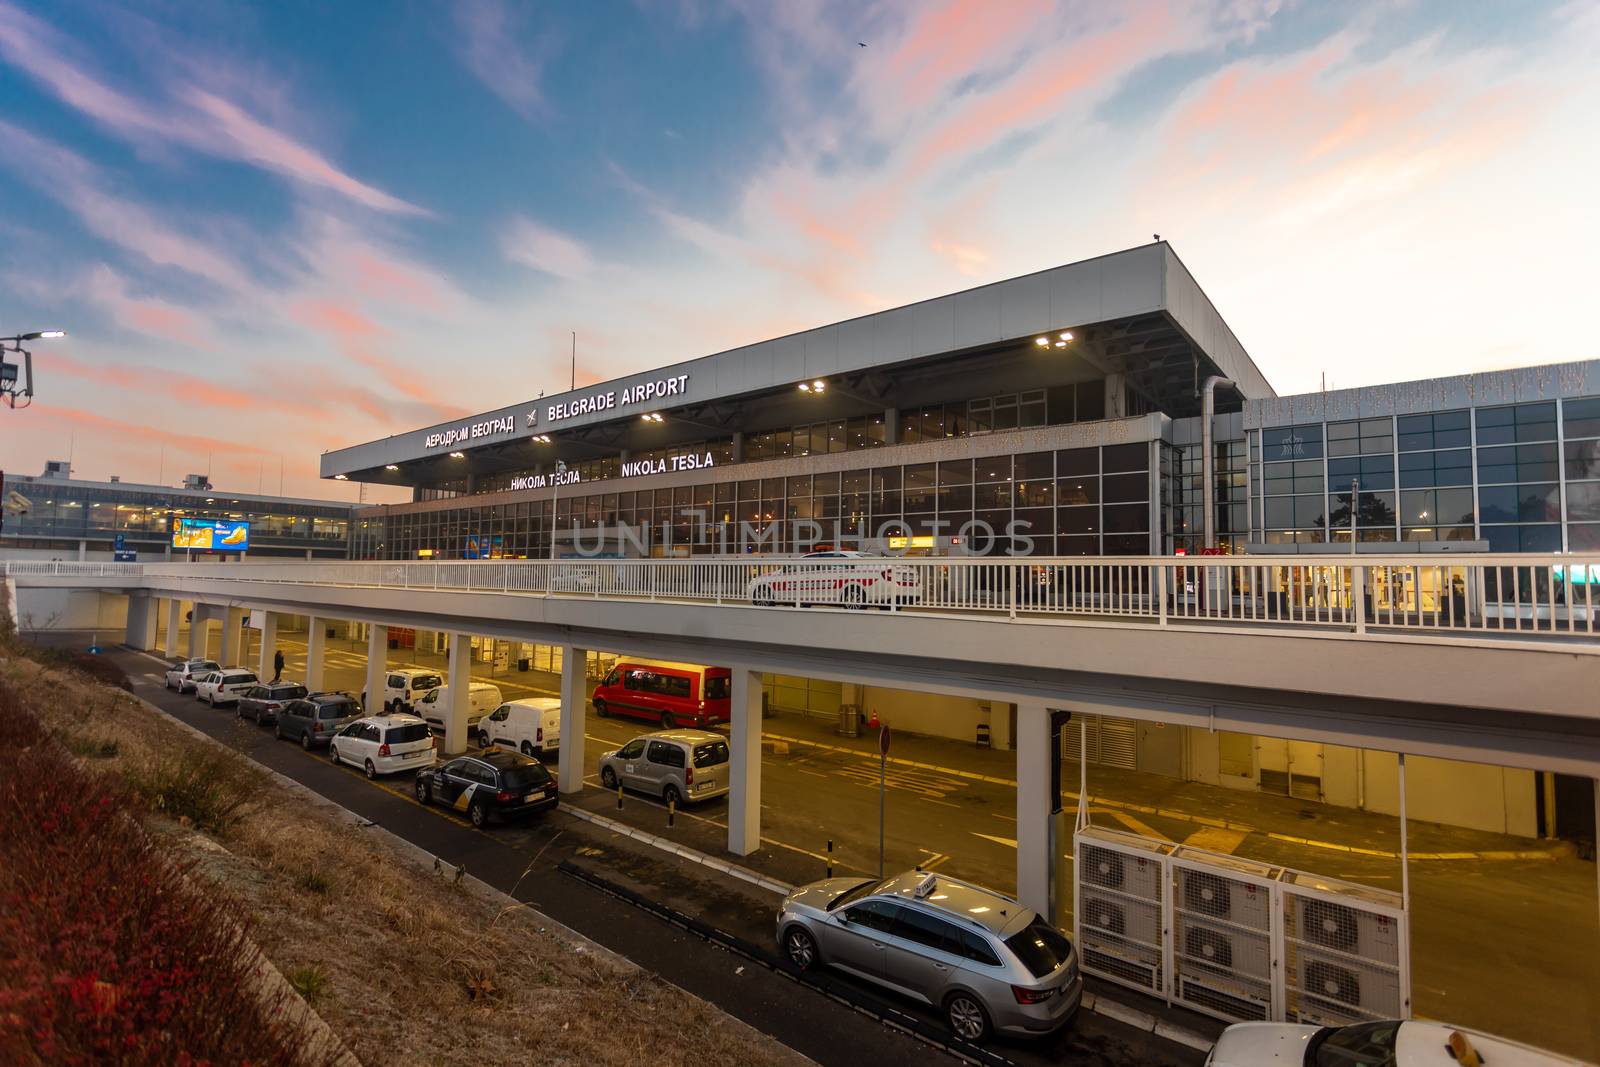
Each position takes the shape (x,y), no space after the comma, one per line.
(337,709)
(205,665)
(288,692)
(852,895)
(1362,1045)
(711,754)
(426,681)
(524,776)
(415,731)
(238,679)
(1041,947)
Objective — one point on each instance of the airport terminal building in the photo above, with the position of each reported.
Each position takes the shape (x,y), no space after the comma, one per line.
(1053,414)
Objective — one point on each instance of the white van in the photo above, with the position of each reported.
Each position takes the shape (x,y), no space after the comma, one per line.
(482,698)
(404,686)
(532,727)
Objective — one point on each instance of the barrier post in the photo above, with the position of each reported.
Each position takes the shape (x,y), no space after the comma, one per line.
(672,810)
(619,798)
(830,857)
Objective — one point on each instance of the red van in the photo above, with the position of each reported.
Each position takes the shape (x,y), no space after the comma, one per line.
(669,693)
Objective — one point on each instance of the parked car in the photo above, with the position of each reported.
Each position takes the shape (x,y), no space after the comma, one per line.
(403,686)
(181,675)
(532,727)
(384,744)
(489,785)
(853,579)
(224,686)
(665,692)
(676,765)
(261,702)
(482,698)
(315,719)
(988,963)
(1388,1043)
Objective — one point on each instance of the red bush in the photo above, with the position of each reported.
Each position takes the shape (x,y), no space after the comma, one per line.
(109,954)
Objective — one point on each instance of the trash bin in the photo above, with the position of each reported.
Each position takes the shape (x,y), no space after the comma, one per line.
(394,644)
(983,735)
(330,632)
(849,720)
(522,664)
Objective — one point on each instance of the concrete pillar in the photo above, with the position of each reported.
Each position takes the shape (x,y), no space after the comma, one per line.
(232,621)
(199,622)
(142,617)
(83,550)
(269,643)
(460,693)
(316,628)
(738,446)
(174,620)
(574,717)
(1116,396)
(1035,849)
(744,765)
(891,426)
(377,662)
(999,725)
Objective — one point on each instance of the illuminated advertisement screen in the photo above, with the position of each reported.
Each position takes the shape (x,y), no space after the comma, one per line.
(221,535)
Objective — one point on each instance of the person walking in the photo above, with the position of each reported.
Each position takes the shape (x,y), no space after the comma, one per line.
(277,666)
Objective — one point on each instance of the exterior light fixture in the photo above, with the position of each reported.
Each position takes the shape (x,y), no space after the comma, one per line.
(391,466)
(542,438)
(1066,335)
(651,417)
(336,477)
(805,387)
(43,335)
(818,386)
(458,455)
(1042,342)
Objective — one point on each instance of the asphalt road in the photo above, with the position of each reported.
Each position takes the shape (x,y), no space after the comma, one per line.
(522,860)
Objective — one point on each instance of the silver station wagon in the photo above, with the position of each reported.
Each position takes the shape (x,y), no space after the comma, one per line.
(988,963)
(679,766)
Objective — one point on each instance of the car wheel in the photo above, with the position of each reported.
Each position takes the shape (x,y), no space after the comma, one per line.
(479,815)
(527,750)
(305,740)
(600,709)
(670,795)
(608,777)
(424,794)
(800,947)
(333,753)
(667,721)
(372,772)
(238,710)
(277,731)
(855,598)
(966,1016)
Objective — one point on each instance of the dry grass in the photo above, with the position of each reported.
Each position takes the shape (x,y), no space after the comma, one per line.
(408,968)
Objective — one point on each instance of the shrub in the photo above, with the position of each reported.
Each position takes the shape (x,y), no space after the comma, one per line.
(90,747)
(309,981)
(208,786)
(313,882)
(108,952)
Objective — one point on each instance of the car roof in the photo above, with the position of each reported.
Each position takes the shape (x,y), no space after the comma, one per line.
(537,703)
(687,737)
(393,720)
(328,695)
(413,670)
(236,670)
(503,758)
(994,911)
(284,685)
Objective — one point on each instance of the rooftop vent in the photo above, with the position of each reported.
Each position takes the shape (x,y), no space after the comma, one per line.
(196,481)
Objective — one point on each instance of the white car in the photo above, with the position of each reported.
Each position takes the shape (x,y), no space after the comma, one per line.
(226,686)
(532,727)
(182,675)
(482,698)
(404,686)
(384,744)
(853,579)
(1389,1043)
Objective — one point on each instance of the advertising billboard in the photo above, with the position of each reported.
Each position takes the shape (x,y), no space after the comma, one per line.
(217,535)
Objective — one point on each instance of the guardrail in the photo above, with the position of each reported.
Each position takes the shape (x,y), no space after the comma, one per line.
(1479,595)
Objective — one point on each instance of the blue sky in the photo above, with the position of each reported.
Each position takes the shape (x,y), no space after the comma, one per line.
(280,228)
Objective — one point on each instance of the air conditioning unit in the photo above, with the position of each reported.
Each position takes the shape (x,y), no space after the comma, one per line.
(1334,991)
(1217,896)
(1136,876)
(1120,938)
(1341,928)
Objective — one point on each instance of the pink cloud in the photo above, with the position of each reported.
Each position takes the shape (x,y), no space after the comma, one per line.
(947,43)
(156,318)
(354,334)
(494,46)
(535,245)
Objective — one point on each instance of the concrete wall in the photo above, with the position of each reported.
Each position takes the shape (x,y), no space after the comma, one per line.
(932,714)
(70,609)
(1476,795)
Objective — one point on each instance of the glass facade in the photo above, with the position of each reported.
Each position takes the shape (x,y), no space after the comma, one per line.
(1523,477)
(1076,501)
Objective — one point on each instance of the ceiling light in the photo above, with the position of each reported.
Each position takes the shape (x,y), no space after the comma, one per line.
(1066,335)
(1061,344)
(652,417)
(391,466)
(336,477)
(1042,342)
(458,455)
(819,385)
(805,387)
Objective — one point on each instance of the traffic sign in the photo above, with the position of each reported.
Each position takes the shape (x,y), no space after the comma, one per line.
(883,740)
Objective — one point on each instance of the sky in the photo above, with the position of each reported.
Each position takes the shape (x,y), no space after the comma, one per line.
(277,229)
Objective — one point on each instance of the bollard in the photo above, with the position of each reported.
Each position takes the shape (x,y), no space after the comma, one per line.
(830,857)
(619,798)
(672,809)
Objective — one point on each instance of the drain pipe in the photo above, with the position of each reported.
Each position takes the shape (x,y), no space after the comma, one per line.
(1208,494)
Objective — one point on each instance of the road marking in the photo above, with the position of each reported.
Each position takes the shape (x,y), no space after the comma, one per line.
(1010,842)
(1215,840)
(1142,828)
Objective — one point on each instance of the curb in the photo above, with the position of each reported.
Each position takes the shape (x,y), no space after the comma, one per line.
(745,874)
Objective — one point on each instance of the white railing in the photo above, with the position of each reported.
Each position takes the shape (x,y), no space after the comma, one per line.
(1478,595)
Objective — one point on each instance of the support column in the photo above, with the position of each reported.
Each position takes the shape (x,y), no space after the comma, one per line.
(377,662)
(574,717)
(269,643)
(891,426)
(316,628)
(199,623)
(232,620)
(744,765)
(1000,725)
(459,691)
(174,620)
(1035,850)
(142,617)
(1116,396)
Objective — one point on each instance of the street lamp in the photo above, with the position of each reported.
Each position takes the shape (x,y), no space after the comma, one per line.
(555,501)
(9,376)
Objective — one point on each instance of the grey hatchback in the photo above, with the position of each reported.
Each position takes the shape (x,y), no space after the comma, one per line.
(988,963)
(315,719)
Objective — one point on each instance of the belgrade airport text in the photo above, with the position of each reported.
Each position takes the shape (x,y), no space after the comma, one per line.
(633,394)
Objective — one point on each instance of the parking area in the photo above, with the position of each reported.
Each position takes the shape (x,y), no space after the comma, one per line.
(950,805)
